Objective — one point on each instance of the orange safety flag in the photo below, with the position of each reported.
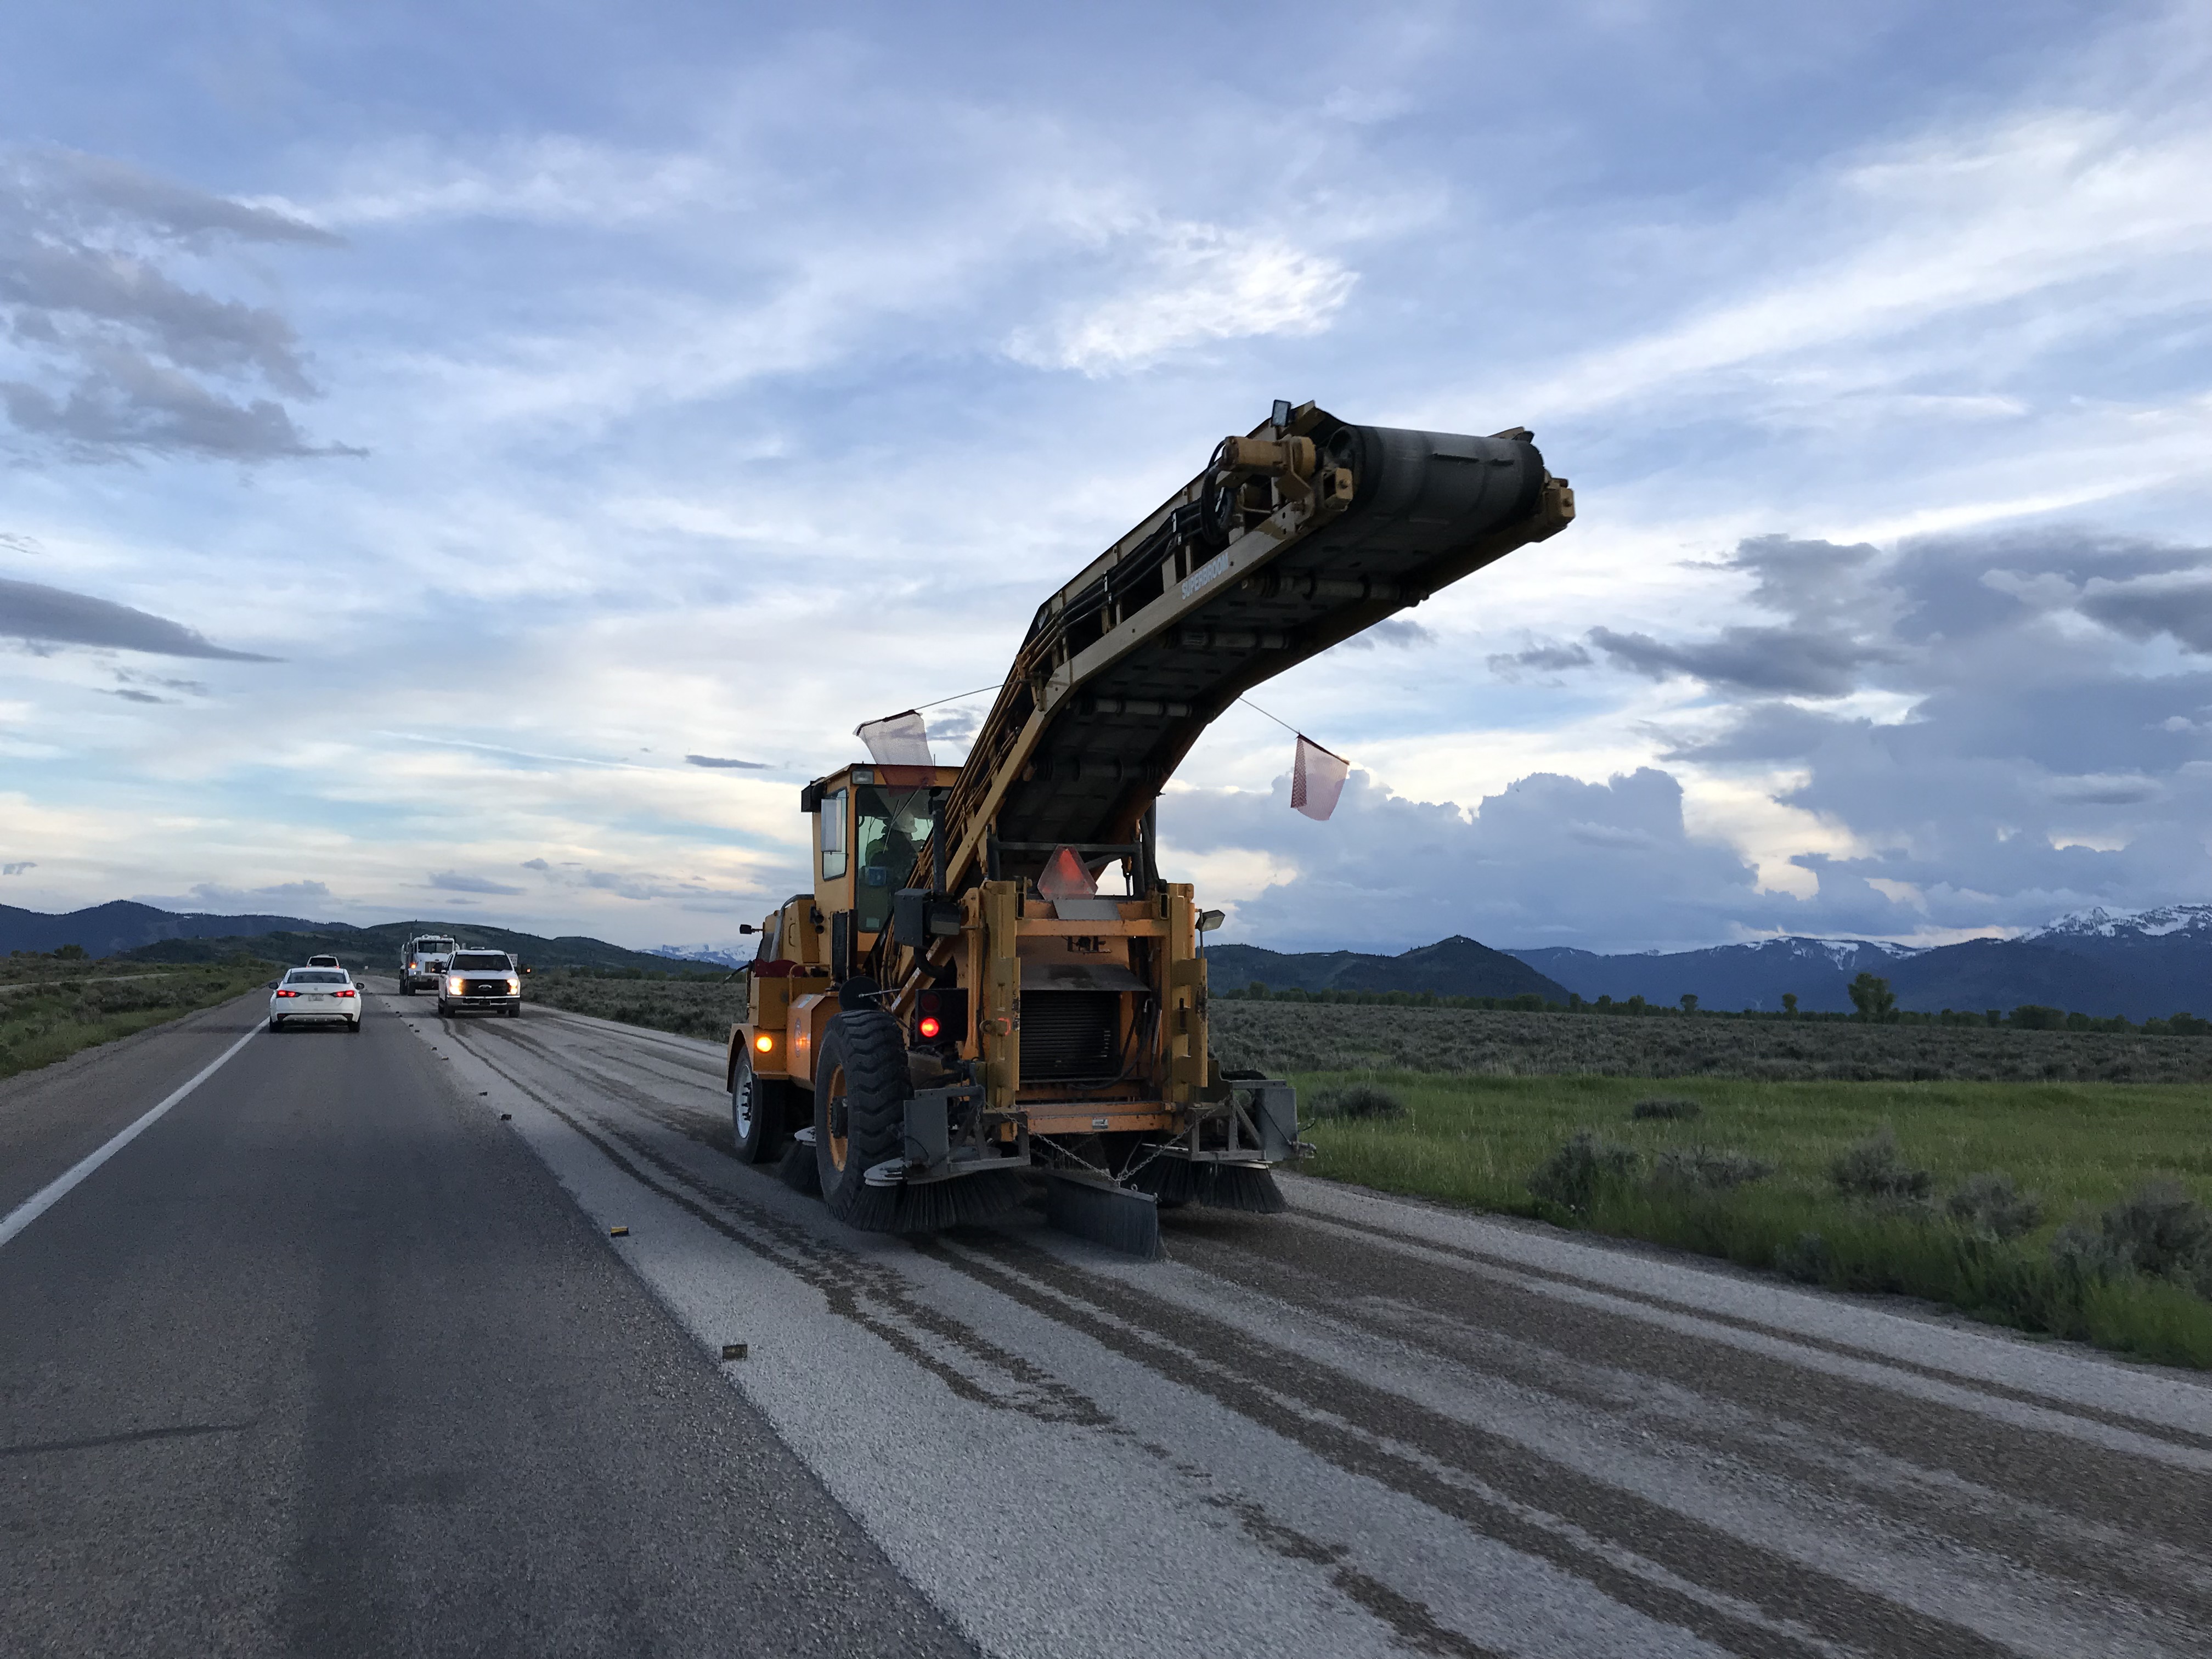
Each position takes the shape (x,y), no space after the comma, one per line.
(1317,779)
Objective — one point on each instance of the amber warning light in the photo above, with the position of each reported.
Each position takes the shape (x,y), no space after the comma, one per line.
(764,1042)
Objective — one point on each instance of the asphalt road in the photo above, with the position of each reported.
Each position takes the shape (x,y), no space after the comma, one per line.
(327,1361)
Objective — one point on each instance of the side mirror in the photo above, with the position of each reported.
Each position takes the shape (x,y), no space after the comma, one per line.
(747,927)
(1210,921)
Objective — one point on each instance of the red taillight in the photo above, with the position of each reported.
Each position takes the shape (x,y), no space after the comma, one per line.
(929,1027)
(287,993)
(345,993)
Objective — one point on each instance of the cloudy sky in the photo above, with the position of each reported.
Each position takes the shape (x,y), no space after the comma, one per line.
(475,461)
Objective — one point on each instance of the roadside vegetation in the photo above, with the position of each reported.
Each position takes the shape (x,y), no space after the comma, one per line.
(2073,1209)
(2052,1179)
(1279,1035)
(699,1004)
(53,1003)
(1872,1001)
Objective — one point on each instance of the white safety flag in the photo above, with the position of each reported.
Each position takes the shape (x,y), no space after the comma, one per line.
(897,740)
(1317,779)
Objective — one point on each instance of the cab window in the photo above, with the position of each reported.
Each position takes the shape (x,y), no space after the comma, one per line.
(892,825)
(833,835)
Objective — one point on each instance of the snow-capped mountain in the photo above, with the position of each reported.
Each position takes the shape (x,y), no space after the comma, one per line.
(2139,963)
(1755,975)
(722,956)
(2100,923)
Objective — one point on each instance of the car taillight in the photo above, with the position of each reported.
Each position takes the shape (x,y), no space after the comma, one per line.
(287,993)
(929,1027)
(344,994)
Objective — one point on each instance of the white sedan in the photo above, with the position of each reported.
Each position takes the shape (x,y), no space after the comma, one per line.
(314,993)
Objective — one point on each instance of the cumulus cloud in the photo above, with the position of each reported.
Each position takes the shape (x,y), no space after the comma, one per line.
(1546,657)
(112,353)
(2045,760)
(1777,659)
(2143,608)
(452,881)
(1401,632)
(217,899)
(1192,283)
(641,886)
(2037,751)
(1550,859)
(43,617)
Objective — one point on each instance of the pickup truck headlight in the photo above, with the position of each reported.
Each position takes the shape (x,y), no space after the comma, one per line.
(454,986)
(514,988)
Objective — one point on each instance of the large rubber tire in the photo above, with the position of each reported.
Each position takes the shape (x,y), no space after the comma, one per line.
(353,1028)
(406,985)
(760,1114)
(860,1088)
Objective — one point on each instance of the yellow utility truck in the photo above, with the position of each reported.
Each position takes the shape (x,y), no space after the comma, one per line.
(989,985)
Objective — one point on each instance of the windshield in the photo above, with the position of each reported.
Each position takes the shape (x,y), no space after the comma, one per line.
(433,947)
(481,962)
(313,976)
(893,824)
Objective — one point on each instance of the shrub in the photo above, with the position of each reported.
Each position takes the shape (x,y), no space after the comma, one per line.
(1574,1175)
(1358,1100)
(1665,1106)
(1875,1169)
(1805,1258)
(1708,1169)
(2157,1231)
(1990,1204)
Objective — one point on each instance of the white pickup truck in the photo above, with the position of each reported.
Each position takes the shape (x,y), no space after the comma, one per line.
(481,981)
(423,963)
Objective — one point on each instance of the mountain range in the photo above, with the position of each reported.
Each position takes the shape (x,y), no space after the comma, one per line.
(1458,967)
(126,927)
(2139,963)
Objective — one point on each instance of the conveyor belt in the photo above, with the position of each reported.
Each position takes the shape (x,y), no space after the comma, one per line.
(1240,575)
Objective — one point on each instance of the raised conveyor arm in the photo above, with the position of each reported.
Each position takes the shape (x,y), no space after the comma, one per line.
(1293,539)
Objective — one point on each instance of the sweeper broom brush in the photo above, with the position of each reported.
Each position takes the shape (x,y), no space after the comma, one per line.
(799,1170)
(1248,1187)
(929,1206)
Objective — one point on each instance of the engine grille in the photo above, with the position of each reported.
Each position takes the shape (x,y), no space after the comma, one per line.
(483,987)
(1067,1035)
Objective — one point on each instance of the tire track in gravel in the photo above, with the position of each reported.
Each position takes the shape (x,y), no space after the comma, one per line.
(1918,1475)
(846,1284)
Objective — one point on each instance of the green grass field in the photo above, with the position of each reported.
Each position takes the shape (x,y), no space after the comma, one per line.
(50,1009)
(2082,1119)
(1476,1141)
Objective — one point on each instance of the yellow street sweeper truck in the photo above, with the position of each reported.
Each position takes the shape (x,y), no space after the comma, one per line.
(989,985)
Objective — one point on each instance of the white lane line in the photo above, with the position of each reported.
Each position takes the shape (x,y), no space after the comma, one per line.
(52,1194)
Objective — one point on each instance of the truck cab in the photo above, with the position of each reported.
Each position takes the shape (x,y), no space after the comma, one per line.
(423,960)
